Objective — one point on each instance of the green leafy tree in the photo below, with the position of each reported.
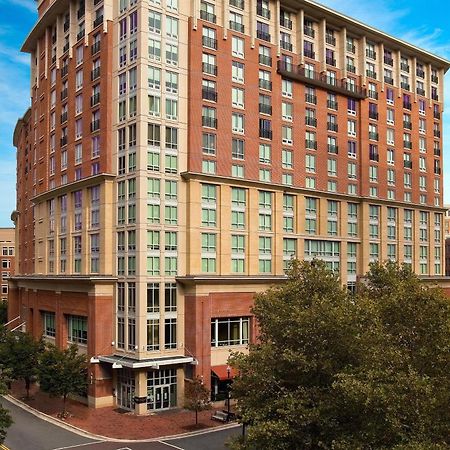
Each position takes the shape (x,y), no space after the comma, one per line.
(197,397)
(20,352)
(5,418)
(63,373)
(3,312)
(338,371)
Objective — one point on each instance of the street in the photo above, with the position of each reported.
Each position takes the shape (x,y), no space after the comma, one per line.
(31,433)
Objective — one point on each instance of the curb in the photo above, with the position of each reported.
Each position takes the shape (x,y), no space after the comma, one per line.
(97,437)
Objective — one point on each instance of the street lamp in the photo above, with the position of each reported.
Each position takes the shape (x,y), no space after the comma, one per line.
(228,391)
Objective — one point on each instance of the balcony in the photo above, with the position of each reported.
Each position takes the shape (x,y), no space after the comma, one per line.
(286,45)
(407,144)
(298,73)
(64,94)
(329,39)
(311,121)
(95,48)
(311,144)
(236,26)
(332,126)
(372,94)
(434,79)
(420,91)
(388,60)
(66,26)
(420,73)
(437,133)
(263,12)
(64,117)
(373,115)
(210,69)
(263,35)
(404,67)
(265,133)
(309,54)
(80,35)
(310,98)
(330,60)
(351,68)
(407,105)
(237,3)
(309,31)
(407,124)
(63,141)
(265,84)
(371,74)
(98,21)
(405,86)
(210,122)
(374,156)
(351,47)
(331,104)
(95,125)
(265,60)
(285,22)
(407,164)
(389,80)
(95,73)
(95,99)
(265,109)
(209,42)
(209,94)
(333,149)
(204,15)
(373,136)
(437,115)
(64,71)
(372,54)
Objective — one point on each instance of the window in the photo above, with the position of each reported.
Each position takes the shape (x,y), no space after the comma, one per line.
(170,333)
(237,46)
(230,331)
(77,329)
(237,97)
(237,72)
(48,324)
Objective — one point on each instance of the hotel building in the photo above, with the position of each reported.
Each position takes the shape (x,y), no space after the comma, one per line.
(178,154)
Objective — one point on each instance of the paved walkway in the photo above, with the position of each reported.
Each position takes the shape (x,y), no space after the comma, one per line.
(112,423)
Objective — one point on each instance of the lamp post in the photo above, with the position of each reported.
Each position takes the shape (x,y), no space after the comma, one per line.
(228,391)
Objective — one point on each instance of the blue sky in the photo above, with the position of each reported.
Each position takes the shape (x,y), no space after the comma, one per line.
(426,24)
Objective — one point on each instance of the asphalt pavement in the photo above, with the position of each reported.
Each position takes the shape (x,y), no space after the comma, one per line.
(29,432)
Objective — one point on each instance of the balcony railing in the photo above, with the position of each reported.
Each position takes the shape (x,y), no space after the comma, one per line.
(371,74)
(209,94)
(63,141)
(310,98)
(209,42)
(263,35)
(333,149)
(309,54)
(407,164)
(265,109)
(66,47)
(237,3)
(265,133)
(309,31)
(331,104)
(204,15)
(266,60)
(64,71)
(95,48)
(437,151)
(351,47)
(265,84)
(310,144)
(351,68)
(95,99)
(435,97)
(330,60)
(420,91)
(286,45)
(437,133)
(263,12)
(98,21)
(371,54)
(80,35)
(332,126)
(373,115)
(211,69)
(66,26)
(434,79)
(95,125)
(320,80)
(407,105)
(404,67)
(210,122)
(437,115)
(236,26)
(374,156)
(420,73)
(388,60)
(64,94)
(389,80)
(285,22)
(373,136)
(329,39)
(311,121)
(80,13)
(407,124)
(405,86)
(64,117)
(437,170)
(407,144)
(95,73)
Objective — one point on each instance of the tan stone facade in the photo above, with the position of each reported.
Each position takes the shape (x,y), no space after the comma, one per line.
(8,259)
(177,155)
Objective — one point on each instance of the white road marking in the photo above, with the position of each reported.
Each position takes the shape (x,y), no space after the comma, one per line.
(170,445)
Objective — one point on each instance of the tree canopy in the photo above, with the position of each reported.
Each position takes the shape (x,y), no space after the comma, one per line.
(63,372)
(332,370)
(197,397)
(5,418)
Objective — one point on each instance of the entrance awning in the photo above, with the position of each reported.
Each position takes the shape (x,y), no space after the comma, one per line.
(221,372)
(152,363)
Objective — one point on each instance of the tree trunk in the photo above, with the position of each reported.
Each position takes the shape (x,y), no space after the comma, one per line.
(27,386)
(64,404)
(196,417)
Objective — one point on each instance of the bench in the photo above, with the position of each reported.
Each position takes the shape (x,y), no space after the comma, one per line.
(220,416)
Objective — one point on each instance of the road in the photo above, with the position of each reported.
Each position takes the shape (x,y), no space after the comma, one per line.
(32,433)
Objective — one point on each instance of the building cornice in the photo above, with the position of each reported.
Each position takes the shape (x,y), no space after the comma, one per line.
(23,121)
(305,191)
(230,279)
(91,279)
(70,187)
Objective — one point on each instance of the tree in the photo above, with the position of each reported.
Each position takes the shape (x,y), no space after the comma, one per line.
(63,373)
(197,397)
(5,418)
(3,312)
(20,353)
(333,370)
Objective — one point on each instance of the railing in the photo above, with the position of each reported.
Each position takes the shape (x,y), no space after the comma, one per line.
(265,109)
(80,13)
(80,35)
(64,94)
(95,48)
(263,35)
(437,152)
(389,80)
(95,125)
(210,122)
(333,149)
(311,121)
(320,79)
(265,133)
(388,60)
(420,91)
(407,124)
(330,60)
(434,79)
(64,117)
(266,60)
(66,47)
(373,136)
(310,98)
(208,16)
(95,99)
(371,74)
(404,67)
(407,164)
(371,53)
(310,144)
(286,45)
(351,48)
(63,141)
(98,21)
(66,26)
(436,114)
(405,86)
(373,115)
(351,68)
(263,12)
(265,84)
(330,39)
(209,68)
(437,133)
(285,22)
(332,105)
(309,31)
(209,42)
(64,71)
(407,105)
(420,73)
(209,94)
(407,144)
(237,3)
(236,26)
(435,96)
(332,126)
(95,73)
(309,54)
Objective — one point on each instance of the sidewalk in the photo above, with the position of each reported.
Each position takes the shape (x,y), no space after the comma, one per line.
(113,423)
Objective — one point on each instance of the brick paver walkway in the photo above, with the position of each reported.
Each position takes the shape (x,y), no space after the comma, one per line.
(113,423)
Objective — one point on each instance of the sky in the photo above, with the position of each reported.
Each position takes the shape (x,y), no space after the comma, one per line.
(425,24)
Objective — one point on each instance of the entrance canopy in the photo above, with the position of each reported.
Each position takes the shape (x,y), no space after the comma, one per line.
(221,372)
(153,363)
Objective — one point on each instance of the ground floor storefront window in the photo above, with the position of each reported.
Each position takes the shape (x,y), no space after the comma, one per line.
(125,389)
(161,389)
